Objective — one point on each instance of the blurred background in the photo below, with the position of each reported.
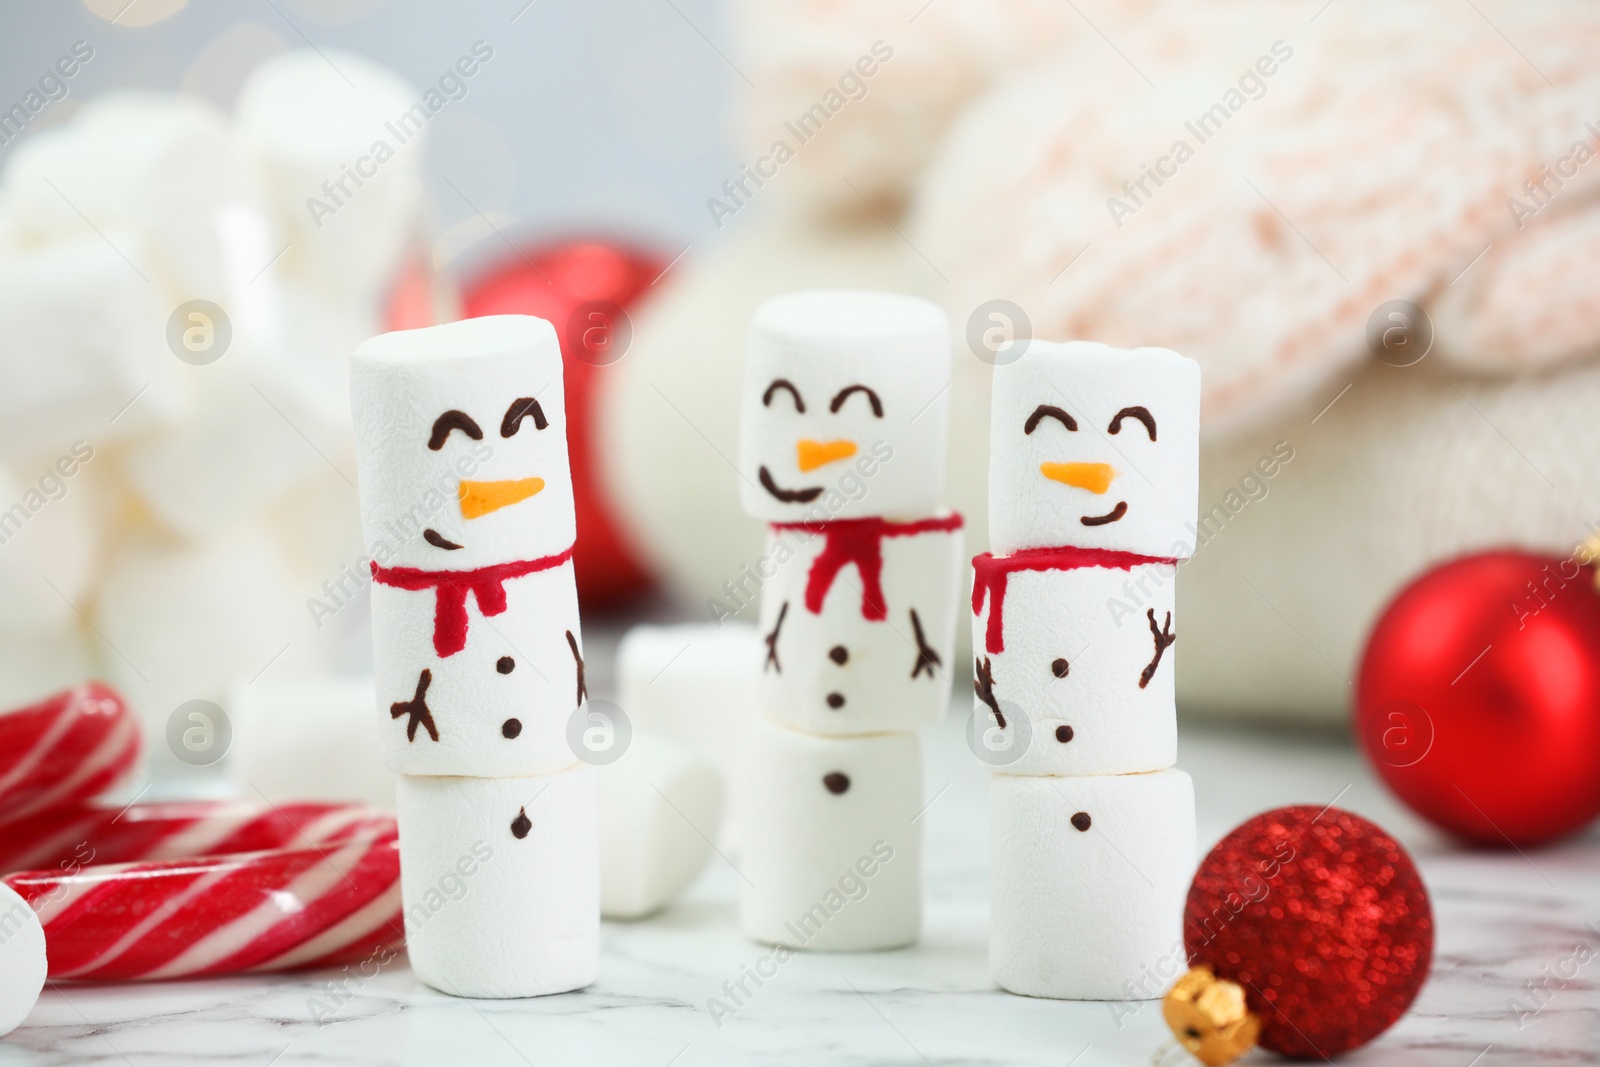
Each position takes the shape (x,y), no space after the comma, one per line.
(1374,225)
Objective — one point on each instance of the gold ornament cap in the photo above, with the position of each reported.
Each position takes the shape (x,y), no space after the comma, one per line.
(1209,1017)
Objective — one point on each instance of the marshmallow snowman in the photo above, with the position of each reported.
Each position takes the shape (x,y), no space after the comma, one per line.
(860,644)
(1093,478)
(845,408)
(1095,447)
(466,500)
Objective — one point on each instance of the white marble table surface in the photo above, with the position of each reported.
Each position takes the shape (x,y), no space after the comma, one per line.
(1504,920)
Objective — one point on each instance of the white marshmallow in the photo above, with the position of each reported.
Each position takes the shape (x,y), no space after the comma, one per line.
(500,879)
(335,138)
(180,623)
(1086,914)
(1142,481)
(432,409)
(834,859)
(22,959)
(503,704)
(162,163)
(837,671)
(81,337)
(1071,682)
(36,663)
(50,536)
(659,808)
(272,722)
(256,432)
(844,453)
(696,684)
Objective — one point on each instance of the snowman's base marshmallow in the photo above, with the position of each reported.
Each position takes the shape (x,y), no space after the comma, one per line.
(1087,878)
(500,880)
(833,857)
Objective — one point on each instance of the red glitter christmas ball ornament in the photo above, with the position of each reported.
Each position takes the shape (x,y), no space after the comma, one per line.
(1313,925)
(1479,697)
(585,288)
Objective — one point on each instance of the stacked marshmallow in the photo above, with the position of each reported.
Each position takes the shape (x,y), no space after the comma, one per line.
(190,512)
(842,450)
(466,496)
(1092,495)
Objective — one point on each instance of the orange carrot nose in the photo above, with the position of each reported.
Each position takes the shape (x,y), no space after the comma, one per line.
(1095,477)
(814,454)
(480,498)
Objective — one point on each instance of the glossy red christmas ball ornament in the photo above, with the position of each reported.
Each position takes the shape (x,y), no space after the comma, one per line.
(1310,932)
(1479,697)
(585,288)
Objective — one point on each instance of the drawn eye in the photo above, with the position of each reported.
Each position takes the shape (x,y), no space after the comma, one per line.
(844,394)
(452,420)
(1048,411)
(783,383)
(1140,413)
(519,410)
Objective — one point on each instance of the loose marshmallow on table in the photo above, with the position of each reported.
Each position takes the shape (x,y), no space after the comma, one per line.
(1086,656)
(846,668)
(1095,447)
(1087,878)
(22,959)
(461,439)
(832,858)
(83,351)
(500,878)
(160,162)
(273,719)
(659,807)
(696,683)
(335,138)
(846,407)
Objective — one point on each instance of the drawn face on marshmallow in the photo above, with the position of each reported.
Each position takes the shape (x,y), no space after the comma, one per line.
(1095,447)
(461,444)
(846,407)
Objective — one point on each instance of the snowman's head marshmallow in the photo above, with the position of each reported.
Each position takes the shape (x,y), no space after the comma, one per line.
(1094,447)
(461,441)
(845,407)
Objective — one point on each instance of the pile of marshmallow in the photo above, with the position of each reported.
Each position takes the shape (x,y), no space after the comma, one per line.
(176,487)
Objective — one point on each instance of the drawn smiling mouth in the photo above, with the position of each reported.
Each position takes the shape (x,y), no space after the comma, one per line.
(788,496)
(1109,517)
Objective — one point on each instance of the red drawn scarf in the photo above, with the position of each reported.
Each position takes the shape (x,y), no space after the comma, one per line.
(450,588)
(990,574)
(859,541)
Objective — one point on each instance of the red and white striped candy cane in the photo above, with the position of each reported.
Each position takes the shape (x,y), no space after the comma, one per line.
(98,833)
(314,905)
(63,750)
